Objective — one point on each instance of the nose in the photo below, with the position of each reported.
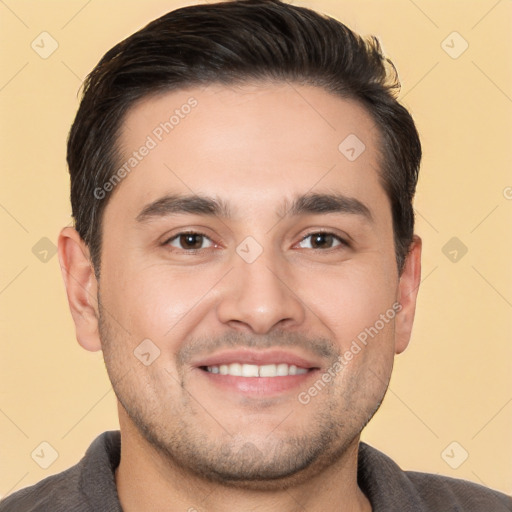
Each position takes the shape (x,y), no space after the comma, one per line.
(259,297)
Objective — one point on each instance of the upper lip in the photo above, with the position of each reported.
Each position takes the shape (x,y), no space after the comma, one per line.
(258,357)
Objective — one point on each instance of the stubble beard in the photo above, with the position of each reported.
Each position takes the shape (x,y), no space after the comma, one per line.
(234,460)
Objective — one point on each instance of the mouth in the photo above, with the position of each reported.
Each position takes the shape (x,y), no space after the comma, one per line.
(267,380)
(256,372)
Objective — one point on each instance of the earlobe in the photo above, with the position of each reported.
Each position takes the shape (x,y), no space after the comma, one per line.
(407,293)
(81,287)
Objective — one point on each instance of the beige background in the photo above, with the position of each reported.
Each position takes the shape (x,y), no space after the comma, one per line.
(454,382)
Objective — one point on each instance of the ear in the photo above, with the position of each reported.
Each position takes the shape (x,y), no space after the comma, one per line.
(81,287)
(407,293)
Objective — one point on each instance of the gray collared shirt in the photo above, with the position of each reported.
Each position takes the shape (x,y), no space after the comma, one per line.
(90,486)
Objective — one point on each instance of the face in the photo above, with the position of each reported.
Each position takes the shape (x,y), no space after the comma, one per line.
(249,297)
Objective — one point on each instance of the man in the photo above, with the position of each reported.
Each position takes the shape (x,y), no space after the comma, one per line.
(242,180)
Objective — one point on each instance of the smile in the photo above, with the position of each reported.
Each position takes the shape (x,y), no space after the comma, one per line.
(254,370)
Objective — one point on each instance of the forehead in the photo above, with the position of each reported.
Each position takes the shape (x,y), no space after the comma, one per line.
(251,145)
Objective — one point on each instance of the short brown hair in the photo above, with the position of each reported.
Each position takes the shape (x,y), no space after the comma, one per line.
(235,42)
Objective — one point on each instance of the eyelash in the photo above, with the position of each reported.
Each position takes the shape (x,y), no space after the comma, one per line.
(342,242)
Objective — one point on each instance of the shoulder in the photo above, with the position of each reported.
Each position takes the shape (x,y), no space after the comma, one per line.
(57,491)
(390,488)
(461,495)
(87,486)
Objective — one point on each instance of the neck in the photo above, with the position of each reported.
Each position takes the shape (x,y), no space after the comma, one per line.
(146,480)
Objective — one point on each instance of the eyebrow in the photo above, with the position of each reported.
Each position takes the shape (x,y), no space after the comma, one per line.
(311,203)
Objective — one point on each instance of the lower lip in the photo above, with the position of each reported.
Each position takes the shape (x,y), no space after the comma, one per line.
(259,385)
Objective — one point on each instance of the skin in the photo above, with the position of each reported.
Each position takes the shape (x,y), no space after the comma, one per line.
(190,445)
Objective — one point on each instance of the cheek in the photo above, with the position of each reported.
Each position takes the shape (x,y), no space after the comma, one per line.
(158,302)
(349,300)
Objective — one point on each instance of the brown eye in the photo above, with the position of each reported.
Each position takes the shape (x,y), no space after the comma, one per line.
(190,241)
(321,241)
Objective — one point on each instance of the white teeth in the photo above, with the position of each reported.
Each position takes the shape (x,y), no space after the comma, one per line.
(282,369)
(253,370)
(268,370)
(235,369)
(249,370)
